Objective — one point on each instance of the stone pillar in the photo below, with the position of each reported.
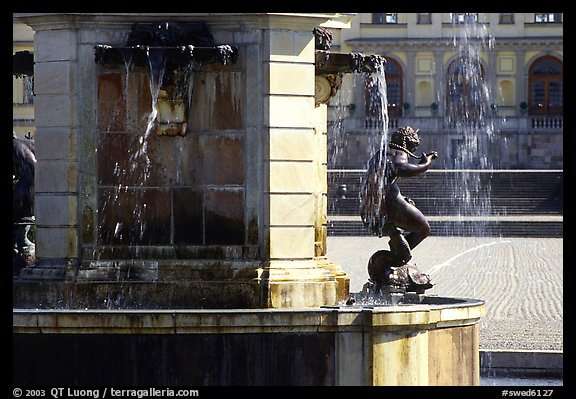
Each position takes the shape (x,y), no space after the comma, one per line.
(57,127)
(440,82)
(294,170)
(409,89)
(491,71)
(321,206)
(521,85)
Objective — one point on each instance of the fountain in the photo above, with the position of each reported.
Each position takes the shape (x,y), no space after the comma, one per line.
(197,255)
(173,51)
(24,162)
(470,113)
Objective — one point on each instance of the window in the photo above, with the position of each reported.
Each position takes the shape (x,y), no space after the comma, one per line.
(384,18)
(464,18)
(546,87)
(24,87)
(424,18)
(377,18)
(464,91)
(23,77)
(506,93)
(506,18)
(28,90)
(543,17)
(393,73)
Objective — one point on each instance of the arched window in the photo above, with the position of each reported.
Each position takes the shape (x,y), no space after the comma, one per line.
(545,81)
(393,72)
(464,17)
(464,92)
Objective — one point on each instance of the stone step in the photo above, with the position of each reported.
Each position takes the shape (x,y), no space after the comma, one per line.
(467,228)
(445,206)
(532,187)
(442,192)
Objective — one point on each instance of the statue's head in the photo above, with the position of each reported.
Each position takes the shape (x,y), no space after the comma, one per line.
(406,137)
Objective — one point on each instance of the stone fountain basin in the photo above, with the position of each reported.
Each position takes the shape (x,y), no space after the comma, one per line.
(433,311)
(432,343)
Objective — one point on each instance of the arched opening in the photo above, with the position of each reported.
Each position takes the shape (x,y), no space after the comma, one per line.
(464,87)
(393,72)
(545,82)
(394,88)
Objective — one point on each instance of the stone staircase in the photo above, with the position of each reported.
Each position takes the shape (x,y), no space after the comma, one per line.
(521,203)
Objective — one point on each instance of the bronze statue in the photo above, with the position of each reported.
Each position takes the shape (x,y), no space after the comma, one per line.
(386,212)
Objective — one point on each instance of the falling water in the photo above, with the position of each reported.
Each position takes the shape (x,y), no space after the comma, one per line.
(377,110)
(337,135)
(128,215)
(336,143)
(157,62)
(470,116)
(127,57)
(377,122)
(134,176)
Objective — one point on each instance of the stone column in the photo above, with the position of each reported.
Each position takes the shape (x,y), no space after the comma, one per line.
(293,170)
(410,79)
(521,85)
(440,82)
(492,76)
(321,206)
(57,129)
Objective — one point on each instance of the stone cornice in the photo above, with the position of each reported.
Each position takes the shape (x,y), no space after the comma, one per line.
(41,21)
(500,43)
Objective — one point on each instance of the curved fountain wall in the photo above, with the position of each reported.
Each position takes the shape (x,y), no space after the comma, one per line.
(433,343)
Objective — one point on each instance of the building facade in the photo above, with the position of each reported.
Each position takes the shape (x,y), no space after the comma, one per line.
(22,84)
(519,66)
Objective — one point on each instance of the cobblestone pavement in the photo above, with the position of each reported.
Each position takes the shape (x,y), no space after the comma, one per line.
(520,279)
